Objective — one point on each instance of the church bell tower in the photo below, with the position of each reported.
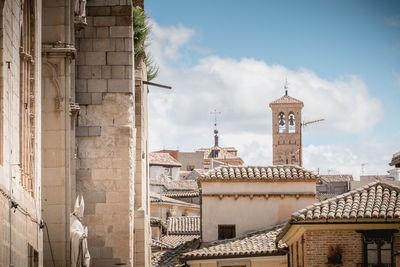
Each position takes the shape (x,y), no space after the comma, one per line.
(286,130)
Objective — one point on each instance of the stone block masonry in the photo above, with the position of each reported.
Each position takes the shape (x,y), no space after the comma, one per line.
(106,131)
(105,55)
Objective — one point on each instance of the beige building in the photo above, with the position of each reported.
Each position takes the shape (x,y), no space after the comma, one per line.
(236,200)
(73,121)
(286,130)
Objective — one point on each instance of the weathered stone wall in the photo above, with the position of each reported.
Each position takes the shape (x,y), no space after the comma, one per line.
(105,133)
(24,228)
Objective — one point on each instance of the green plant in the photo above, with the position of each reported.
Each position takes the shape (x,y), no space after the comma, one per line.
(141,31)
(151,68)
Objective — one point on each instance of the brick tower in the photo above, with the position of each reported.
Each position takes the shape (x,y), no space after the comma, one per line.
(286,130)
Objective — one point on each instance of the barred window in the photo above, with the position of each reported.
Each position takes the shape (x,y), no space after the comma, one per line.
(27,97)
(378,248)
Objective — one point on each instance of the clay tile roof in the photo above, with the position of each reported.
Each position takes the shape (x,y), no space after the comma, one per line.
(333,178)
(181,185)
(286,100)
(184,225)
(181,194)
(325,196)
(374,201)
(170,257)
(157,198)
(163,159)
(159,244)
(257,243)
(173,241)
(286,173)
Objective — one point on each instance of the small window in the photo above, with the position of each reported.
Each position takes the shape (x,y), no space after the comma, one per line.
(226,231)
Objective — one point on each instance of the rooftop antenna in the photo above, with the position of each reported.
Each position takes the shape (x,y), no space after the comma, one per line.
(363,167)
(286,87)
(215,113)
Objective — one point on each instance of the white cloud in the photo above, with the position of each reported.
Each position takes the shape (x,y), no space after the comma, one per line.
(241,90)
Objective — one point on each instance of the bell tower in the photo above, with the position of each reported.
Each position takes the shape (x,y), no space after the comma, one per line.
(286,130)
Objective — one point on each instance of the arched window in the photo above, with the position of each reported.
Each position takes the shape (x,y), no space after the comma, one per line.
(281,122)
(292,123)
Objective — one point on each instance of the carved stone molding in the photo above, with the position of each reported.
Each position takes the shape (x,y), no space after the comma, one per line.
(59,99)
(74,108)
(59,49)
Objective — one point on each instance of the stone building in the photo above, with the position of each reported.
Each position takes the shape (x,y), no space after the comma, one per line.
(21,237)
(73,121)
(235,200)
(286,130)
(358,228)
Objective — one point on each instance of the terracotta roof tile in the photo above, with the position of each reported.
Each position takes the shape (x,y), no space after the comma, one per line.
(184,225)
(181,194)
(159,244)
(170,257)
(163,159)
(157,198)
(173,241)
(333,178)
(257,243)
(286,100)
(376,200)
(275,173)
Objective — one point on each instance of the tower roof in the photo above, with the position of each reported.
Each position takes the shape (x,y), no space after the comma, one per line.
(286,99)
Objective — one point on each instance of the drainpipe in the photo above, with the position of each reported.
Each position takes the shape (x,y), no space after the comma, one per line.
(201,214)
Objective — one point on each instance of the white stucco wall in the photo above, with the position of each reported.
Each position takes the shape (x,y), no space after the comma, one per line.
(156,172)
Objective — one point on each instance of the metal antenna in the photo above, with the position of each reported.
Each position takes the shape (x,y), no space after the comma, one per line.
(286,87)
(363,167)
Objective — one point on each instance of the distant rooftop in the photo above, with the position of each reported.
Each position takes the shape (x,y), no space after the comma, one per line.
(286,173)
(163,159)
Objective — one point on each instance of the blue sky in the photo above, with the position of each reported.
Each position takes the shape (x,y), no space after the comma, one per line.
(334,40)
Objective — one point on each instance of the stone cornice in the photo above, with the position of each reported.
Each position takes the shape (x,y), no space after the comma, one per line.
(59,49)
(297,195)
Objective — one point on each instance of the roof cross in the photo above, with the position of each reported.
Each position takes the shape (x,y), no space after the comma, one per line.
(286,87)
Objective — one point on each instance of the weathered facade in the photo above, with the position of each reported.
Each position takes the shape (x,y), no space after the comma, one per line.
(73,121)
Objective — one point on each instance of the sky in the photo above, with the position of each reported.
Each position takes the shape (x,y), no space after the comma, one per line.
(341,58)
